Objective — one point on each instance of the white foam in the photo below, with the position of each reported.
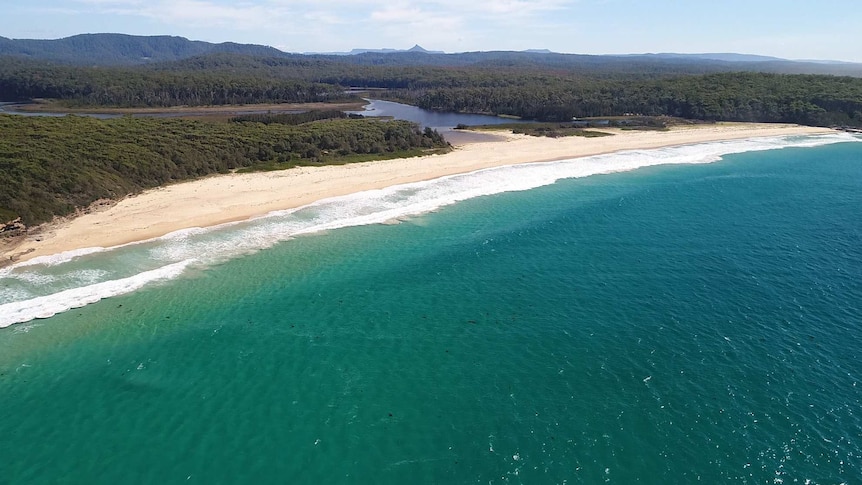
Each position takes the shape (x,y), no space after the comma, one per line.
(55,259)
(37,278)
(68,285)
(50,305)
(88,276)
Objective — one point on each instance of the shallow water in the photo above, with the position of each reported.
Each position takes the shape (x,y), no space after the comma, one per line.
(432,119)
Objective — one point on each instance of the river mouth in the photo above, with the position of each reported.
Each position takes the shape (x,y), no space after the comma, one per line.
(426,118)
(444,123)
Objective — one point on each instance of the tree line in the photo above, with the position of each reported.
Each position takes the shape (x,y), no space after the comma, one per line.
(758,97)
(507,85)
(140,87)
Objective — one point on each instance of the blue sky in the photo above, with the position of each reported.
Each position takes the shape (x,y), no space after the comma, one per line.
(795,29)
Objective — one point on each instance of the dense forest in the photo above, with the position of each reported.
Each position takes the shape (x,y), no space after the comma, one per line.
(803,99)
(131,87)
(522,89)
(52,166)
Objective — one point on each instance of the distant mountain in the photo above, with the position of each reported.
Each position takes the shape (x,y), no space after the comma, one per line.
(353,52)
(640,64)
(726,57)
(418,48)
(122,49)
(823,61)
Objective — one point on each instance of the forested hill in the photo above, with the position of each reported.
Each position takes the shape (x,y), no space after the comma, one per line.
(121,49)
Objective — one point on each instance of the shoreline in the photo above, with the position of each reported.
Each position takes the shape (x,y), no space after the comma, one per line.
(221,199)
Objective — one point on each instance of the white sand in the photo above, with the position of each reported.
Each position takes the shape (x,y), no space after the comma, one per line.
(225,198)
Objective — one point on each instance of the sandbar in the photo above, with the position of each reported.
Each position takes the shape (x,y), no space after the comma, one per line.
(234,197)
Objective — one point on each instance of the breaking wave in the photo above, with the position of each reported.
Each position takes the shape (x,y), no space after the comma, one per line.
(45,286)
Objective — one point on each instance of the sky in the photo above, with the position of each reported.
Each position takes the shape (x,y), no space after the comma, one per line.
(792,29)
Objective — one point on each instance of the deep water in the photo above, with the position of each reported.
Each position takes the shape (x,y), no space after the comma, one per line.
(671,324)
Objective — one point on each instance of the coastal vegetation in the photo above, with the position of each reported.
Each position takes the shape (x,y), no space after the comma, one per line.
(52,166)
(550,130)
(292,118)
(578,127)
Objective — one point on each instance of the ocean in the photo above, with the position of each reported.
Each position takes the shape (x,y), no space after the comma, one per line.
(688,314)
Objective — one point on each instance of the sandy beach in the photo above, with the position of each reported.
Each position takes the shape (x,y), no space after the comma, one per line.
(227,198)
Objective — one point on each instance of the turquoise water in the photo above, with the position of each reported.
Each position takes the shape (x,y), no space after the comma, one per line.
(672,324)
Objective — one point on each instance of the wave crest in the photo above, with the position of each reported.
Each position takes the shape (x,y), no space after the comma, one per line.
(43,287)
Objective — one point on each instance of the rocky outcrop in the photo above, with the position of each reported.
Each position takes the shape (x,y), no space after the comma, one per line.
(13,229)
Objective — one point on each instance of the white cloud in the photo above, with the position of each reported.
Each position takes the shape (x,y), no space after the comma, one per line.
(185,12)
(329,12)
(451,25)
(511,7)
(202,13)
(111,3)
